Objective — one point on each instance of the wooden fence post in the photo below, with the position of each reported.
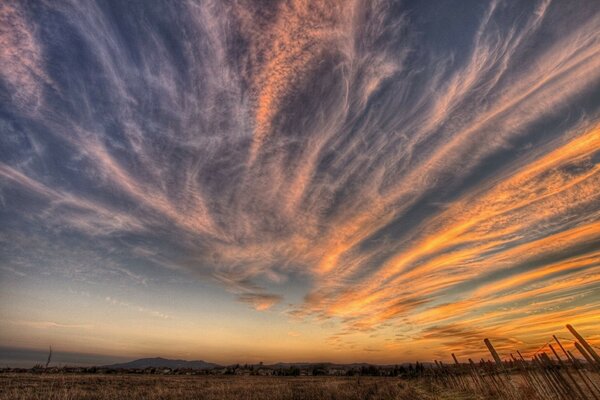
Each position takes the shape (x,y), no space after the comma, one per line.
(584,372)
(479,381)
(525,374)
(573,361)
(585,355)
(493,352)
(463,380)
(563,366)
(539,379)
(563,385)
(585,344)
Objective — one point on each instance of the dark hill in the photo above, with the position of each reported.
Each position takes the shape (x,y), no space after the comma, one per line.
(159,362)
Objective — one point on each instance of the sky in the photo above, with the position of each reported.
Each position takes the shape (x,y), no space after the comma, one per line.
(350,180)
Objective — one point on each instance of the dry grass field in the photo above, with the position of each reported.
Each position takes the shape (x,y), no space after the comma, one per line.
(104,387)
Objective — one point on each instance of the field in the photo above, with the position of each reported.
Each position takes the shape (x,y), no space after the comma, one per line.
(542,377)
(103,387)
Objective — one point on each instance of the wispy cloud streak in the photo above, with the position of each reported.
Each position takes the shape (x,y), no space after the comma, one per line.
(396,167)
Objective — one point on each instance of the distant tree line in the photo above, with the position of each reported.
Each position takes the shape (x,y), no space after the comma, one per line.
(405,371)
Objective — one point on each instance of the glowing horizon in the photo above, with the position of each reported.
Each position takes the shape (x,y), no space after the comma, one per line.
(313,181)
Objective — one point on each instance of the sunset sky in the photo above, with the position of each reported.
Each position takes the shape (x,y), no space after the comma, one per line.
(245,181)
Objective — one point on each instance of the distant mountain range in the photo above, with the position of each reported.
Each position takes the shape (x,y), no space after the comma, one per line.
(159,362)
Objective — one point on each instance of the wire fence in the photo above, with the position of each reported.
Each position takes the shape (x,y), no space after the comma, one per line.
(551,372)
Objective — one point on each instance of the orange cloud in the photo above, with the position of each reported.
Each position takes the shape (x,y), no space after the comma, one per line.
(260,301)
(488,231)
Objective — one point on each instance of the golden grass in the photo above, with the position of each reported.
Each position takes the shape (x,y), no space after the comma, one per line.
(103,387)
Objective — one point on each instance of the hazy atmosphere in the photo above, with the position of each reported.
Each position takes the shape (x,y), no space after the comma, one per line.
(246,181)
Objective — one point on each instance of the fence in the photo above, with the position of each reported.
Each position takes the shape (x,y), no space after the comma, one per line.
(556,374)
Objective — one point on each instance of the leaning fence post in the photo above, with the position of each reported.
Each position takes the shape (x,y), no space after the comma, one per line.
(573,362)
(479,381)
(494,353)
(552,368)
(563,366)
(585,355)
(510,386)
(524,374)
(442,376)
(534,374)
(550,378)
(584,372)
(585,344)
(463,380)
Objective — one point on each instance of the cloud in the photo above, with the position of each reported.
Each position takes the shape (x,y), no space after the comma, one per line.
(78,213)
(260,301)
(51,325)
(388,169)
(21,58)
(137,308)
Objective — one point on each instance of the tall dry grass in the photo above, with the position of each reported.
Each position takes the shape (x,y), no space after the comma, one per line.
(104,387)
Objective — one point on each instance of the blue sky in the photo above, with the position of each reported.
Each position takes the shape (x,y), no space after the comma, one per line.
(352,180)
